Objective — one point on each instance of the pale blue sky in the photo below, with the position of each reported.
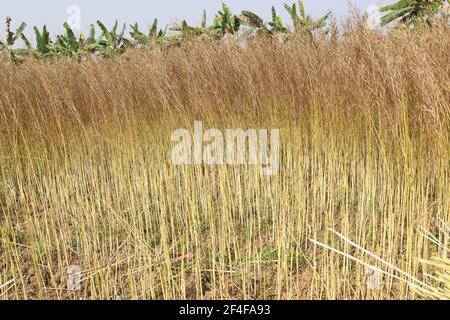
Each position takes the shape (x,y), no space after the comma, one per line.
(53,12)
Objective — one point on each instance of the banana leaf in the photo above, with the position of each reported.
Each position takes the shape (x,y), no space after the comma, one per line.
(251,19)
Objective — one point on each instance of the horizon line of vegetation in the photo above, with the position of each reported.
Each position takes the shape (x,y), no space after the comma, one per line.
(112,42)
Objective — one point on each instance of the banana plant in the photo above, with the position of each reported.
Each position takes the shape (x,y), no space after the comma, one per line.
(43,42)
(292,10)
(154,36)
(158,36)
(226,22)
(91,39)
(137,35)
(304,22)
(411,11)
(92,43)
(68,44)
(252,20)
(203,21)
(202,30)
(16,55)
(112,42)
(12,37)
(185,29)
(277,23)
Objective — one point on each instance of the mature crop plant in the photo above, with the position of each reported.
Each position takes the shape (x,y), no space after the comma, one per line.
(359,207)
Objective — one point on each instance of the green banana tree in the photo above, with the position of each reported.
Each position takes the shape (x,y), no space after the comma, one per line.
(277,23)
(292,10)
(202,30)
(154,36)
(111,42)
(44,47)
(69,45)
(411,11)
(12,37)
(137,35)
(91,39)
(252,20)
(186,30)
(203,21)
(92,43)
(15,55)
(304,22)
(158,36)
(226,22)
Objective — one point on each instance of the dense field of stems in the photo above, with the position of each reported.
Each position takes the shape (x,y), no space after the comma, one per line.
(86,177)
